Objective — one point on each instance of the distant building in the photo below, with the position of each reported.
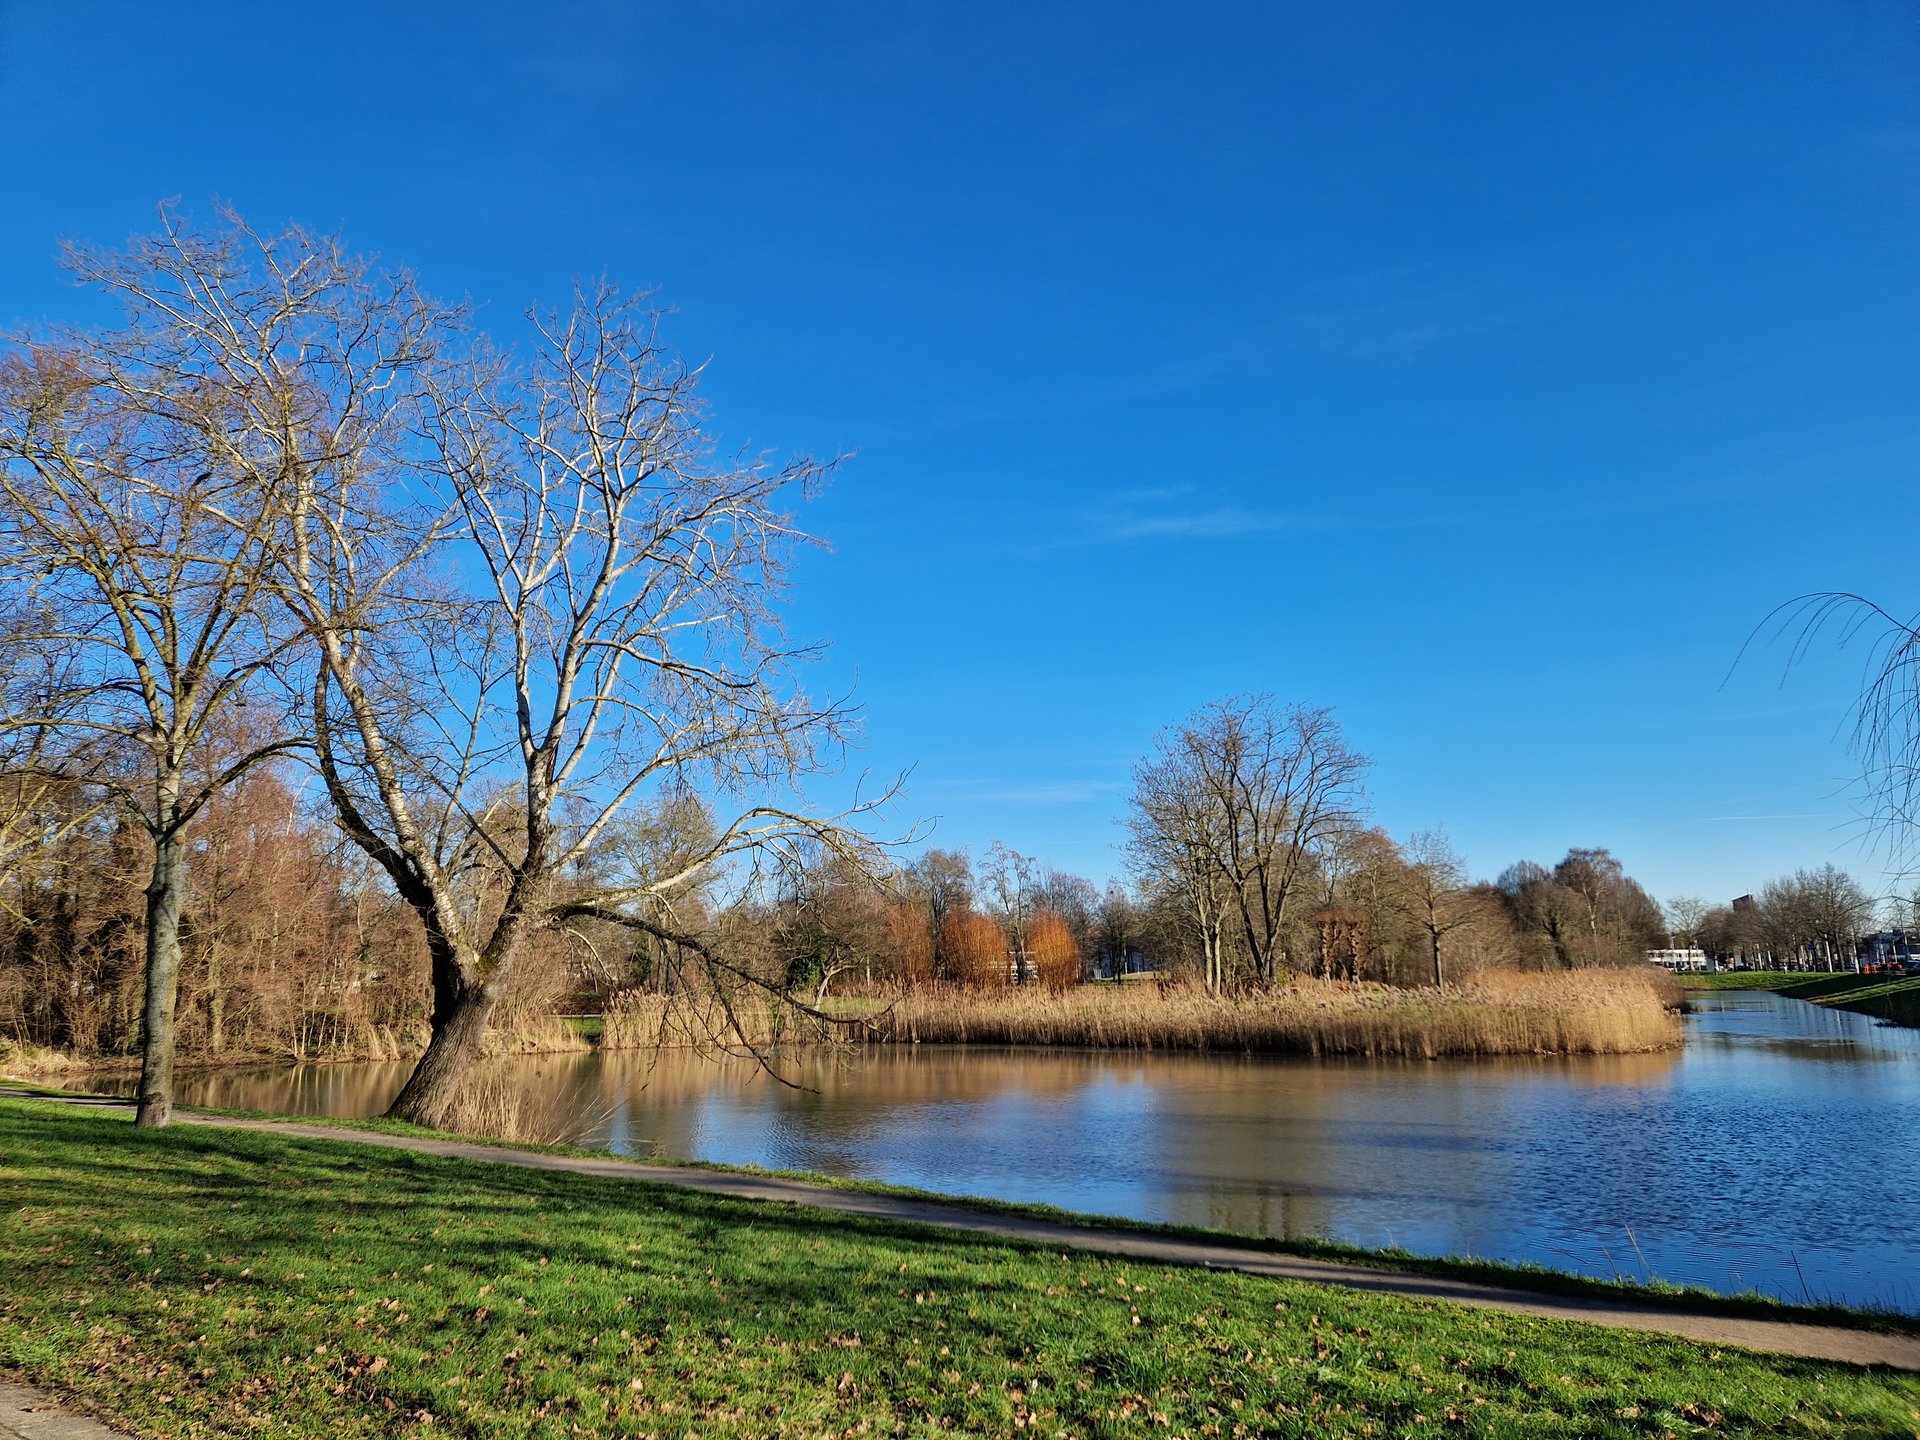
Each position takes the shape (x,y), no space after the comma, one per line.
(1693,959)
(1891,949)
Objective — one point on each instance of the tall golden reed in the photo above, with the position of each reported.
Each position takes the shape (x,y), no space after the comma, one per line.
(1586,1012)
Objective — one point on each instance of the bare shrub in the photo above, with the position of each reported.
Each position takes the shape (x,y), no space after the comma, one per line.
(976,950)
(1052,952)
(498,1106)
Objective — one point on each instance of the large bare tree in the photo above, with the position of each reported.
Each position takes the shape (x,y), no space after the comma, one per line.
(513,598)
(580,606)
(1684,915)
(145,472)
(1229,810)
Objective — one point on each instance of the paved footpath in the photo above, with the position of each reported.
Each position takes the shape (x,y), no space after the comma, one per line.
(27,1414)
(1823,1342)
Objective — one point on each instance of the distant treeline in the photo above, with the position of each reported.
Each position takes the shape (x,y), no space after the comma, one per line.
(295,947)
(1807,919)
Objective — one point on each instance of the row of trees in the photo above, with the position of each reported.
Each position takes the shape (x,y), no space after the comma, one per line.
(1809,917)
(1248,842)
(293,945)
(294,510)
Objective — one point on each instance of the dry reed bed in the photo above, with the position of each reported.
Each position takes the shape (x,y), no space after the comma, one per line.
(644,1020)
(1574,1013)
(31,1062)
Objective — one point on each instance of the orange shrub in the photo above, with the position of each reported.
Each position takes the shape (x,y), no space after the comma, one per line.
(911,941)
(1051,951)
(976,950)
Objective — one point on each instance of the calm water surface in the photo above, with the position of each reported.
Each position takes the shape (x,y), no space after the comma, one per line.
(1778,1151)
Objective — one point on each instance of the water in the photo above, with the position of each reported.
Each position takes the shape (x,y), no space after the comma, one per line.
(1779,1151)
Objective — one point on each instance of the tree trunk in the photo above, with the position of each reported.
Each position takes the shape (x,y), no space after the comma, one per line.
(460,1011)
(216,1003)
(1439,978)
(165,893)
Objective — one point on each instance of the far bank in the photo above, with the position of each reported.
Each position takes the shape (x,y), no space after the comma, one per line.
(1490,1014)
(1894,998)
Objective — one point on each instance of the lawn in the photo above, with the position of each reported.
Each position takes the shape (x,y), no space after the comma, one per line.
(218,1282)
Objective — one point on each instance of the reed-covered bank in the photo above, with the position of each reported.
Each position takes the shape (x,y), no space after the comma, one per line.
(1494,1013)
(540,1035)
(1583,1012)
(1587,1012)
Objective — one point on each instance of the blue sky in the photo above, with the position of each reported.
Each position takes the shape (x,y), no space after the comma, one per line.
(1483,371)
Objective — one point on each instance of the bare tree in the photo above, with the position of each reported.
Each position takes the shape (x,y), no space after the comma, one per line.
(141,478)
(830,919)
(1231,807)
(1836,910)
(604,622)
(1439,894)
(1117,928)
(1544,912)
(936,884)
(1175,834)
(1010,876)
(1685,914)
(1362,883)
(43,764)
(1077,902)
(1886,708)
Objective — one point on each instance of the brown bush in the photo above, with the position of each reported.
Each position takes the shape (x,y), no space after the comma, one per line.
(976,950)
(911,942)
(1052,952)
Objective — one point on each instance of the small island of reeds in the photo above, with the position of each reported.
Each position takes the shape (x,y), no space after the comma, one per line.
(1493,1013)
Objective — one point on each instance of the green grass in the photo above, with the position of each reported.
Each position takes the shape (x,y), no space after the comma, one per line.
(1739,979)
(1891,997)
(1541,1279)
(220,1282)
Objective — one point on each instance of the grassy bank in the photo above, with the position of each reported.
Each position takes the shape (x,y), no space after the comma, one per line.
(197,1282)
(1652,1294)
(1593,1012)
(1891,997)
(1740,979)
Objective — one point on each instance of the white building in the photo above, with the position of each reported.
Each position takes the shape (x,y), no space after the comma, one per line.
(1678,959)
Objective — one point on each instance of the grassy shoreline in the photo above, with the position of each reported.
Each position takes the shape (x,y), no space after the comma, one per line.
(1513,1275)
(226,1282)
